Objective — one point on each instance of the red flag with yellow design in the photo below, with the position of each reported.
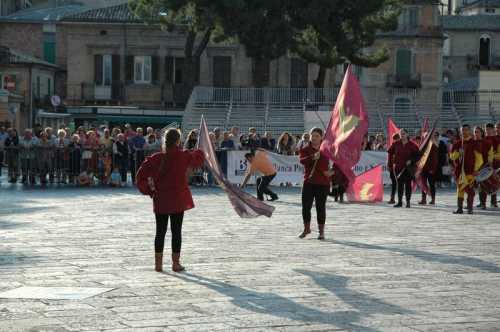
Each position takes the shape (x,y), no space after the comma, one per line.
(348,124)
(368,187)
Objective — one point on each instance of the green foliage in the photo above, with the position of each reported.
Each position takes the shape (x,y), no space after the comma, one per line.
(325,32)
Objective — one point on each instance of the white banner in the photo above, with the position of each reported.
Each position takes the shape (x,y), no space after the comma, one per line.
(289,169)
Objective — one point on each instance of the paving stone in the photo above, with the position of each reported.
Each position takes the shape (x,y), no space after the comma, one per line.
(380,269)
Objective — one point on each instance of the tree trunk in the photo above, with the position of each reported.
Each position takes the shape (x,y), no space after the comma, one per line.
(192,56)
(319,82)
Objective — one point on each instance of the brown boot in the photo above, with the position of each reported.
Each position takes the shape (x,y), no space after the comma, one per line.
(158,261)
(424,199)
(460,204)
(307,230)
(176,266)
(321,229)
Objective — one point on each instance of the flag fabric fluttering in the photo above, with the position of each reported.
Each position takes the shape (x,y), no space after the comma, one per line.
(424,152)
(347,127)
(368,187)
(391,130)
(425,128)
(245,205)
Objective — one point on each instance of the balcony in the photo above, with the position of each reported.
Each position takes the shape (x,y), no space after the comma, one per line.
(474,64)
(411,81)
(164,95)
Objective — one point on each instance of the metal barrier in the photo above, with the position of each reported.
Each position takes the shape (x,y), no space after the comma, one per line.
(39,162)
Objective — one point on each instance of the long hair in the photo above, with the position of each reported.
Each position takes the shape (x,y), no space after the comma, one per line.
(170,138)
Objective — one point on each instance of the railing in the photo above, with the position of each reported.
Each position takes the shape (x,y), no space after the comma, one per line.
(404,81)
(493,63)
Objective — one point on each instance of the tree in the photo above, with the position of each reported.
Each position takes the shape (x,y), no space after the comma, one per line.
(195,18)
(325,32)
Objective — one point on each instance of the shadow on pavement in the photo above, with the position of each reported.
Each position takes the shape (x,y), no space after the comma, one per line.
(365,304)
(280,306)
(427,256)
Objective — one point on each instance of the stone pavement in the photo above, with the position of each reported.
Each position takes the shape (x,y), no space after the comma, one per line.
(380,269)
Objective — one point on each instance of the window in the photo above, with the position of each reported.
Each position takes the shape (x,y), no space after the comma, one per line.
(484,50)
(299,73)
(142,69)
(401,105)
(179,69)
(49,87)
(408,18)
(446,45)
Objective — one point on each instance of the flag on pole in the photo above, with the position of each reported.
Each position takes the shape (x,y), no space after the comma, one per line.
(425,127)
(391,130)
(348,125)
(368,187)
(245,205)
(424,152)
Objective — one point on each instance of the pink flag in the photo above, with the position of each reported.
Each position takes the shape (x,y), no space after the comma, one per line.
(245,205)
(368,187)
(425,128)
(347,127)
(391,130)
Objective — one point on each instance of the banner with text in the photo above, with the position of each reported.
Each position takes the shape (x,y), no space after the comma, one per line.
(289,169)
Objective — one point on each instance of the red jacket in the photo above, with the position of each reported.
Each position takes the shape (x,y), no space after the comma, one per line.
(306,159)
(402,153)
(470,154)
(171,194)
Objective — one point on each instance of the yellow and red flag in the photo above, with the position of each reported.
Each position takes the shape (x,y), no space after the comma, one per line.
(368,187)
(348,124)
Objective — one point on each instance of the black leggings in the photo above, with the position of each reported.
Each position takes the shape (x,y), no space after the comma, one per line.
(394,185)
(311,193)
(404,185)
(175,227)
(431,180)
(263,186)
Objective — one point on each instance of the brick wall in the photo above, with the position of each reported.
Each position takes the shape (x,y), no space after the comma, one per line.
(23,37)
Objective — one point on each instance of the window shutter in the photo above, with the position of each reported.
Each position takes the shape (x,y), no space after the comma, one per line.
(403,62)
(169,69)
(115,77)
(98,69)
(154,69)
(115,68)
(129,69)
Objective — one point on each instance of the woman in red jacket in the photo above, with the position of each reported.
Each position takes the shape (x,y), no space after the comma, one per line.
(316,183)
(163,177)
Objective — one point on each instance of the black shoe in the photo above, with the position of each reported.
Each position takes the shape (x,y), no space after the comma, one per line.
(391,201)
(398,205)
(260,199)
(273,198)
(459,211)
(321,237)
(407,205)
(469,211)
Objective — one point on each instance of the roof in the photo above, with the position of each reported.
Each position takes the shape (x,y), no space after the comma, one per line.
(114,14)
(472,22)
(52,14)
(16,57)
